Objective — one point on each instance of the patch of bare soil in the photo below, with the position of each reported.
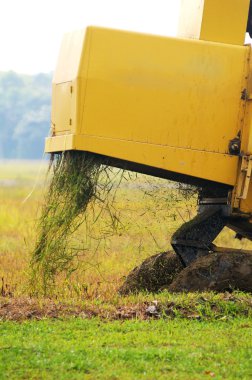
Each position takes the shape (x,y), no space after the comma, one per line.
(222,271)
(20,309)
(200,306)
(154,273)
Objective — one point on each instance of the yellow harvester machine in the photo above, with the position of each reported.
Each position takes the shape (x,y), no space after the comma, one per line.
(176,108)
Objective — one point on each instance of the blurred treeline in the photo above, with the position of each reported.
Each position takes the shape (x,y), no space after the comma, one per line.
(24,114)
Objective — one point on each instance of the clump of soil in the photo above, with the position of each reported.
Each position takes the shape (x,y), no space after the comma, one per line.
(154,273)
(222,271)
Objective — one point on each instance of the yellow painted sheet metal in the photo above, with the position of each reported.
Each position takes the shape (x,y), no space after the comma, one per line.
(246,145)
(214,20)
(206,165)
(246,204)
(71,51)
(62,112)
(162,102)
(60,143)
(225,21)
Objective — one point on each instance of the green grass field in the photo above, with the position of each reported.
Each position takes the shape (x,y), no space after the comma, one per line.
(86,330)
(91,349)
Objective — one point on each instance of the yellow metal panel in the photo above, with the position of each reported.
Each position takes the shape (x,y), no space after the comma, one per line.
(214,20)
(189,162)
(62,107)
(225,21)
(70,55)
(168,103)
(205,165)
(59,143)
(163,91)
(246,205)
(68,86)
(247,129)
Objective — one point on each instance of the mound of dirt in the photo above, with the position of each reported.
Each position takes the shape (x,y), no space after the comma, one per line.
(154,273)
(222,271)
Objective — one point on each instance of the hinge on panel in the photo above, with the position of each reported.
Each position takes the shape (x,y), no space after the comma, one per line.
(244,178)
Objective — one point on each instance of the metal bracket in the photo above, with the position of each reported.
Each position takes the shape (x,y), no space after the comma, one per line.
(194,238)
(244,180)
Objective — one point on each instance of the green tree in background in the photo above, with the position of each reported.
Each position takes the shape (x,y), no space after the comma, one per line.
(24,114)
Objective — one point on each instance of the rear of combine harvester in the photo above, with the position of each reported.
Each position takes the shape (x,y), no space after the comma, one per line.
(174,108)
